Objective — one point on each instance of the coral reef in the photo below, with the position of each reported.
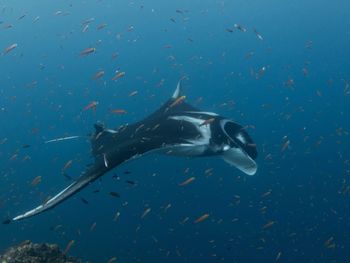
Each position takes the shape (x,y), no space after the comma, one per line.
(28,252)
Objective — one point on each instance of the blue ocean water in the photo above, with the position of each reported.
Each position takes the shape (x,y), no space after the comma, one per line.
(291,84)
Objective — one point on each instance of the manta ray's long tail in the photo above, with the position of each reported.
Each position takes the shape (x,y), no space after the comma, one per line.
(88,177)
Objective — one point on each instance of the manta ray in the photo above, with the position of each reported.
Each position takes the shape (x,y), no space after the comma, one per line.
(176,128)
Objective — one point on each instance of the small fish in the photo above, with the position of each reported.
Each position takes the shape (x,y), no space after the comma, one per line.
(114,194)
(184,220)
(111,260)
(68,247)
(101,26)
(201,219)
(133,93)
(329,243)
(10,48)
(268,225)
(98,75)
(146,212)
(92,105)
(279,254)
(85,28)
(116,216)
(67,165)
(258,35)
(36,181)
(95,191)
(8,26)
(87,51)
(206,122)
(167,207)
(127,172)
(57,13)
(24,146)
(21,17)
(189,180)
(88,21)
(84,201)
(130,182)
(118,75)
(239,27)
(14,157)
(6,221)
(266,193)
(119,111)
(114,55)
(93,226)
(285,146)
(177,101)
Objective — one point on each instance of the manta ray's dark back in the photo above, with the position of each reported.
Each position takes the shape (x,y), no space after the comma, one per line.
(175,128)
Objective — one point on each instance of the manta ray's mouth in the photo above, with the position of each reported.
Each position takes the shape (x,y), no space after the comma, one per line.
(238,158)
(239,137)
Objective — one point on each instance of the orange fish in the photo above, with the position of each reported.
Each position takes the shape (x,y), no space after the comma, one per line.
(14,157)
(99,75)
(87,51)
(189,180)
(201,219)
(118,75)
(10,48)
(266,193)
(67,165)
(36,181)
(285,146)
(177,101)
(68,247)
(208,121)
(92,105)
(119,111)
(329,243)
(268,225)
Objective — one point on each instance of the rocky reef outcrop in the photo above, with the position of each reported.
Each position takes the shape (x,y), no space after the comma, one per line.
(28,252)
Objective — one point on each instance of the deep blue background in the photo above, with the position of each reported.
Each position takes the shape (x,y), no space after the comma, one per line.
(45,84)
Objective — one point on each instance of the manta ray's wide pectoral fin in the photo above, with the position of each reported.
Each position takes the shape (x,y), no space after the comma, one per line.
(84,180)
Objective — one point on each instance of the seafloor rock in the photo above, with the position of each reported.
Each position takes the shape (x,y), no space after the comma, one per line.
(28,252)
